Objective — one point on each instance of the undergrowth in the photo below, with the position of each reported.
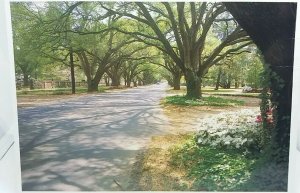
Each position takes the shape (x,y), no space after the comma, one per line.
(212,169)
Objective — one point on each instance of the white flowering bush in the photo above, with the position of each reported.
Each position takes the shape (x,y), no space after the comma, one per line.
(247,89)
(233,130)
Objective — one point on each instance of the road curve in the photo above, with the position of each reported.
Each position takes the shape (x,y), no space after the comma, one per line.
(86,143)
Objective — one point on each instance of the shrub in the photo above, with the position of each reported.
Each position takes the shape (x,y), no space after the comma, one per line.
(247,89)
(235,130)
(212,169)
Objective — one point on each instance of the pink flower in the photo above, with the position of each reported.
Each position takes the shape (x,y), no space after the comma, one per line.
(269,119)
(258,119)
(269,112)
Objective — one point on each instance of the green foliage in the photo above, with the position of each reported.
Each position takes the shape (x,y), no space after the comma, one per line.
(27,57)
(265,104)
(110,34)
(272,87)
(253,73)
(205,101)
(240,70)
(267,175)
(212,169)
(149,76)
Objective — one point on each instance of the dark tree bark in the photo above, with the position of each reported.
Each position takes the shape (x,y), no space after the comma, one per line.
(115,75)
(72,71)
(228,82)
(25,80)
(176,81)
(272,28)
(93,86)
(175,72)
(193,85)
(236,83)
(218,79)
(115,81)
(128,82)
(140,82)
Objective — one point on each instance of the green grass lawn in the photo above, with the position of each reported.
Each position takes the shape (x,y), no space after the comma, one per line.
(220,92)
(253,95)
(205,101)
(57,91)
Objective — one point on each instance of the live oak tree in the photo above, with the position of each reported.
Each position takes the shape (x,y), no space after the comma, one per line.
(184,27)
(175,71)
(272,28)
(30,61)
(133,68)
(179,30)
(171,72)
(45,21)
(62,20)
(97,48)
(81,33)
(130,62)
(25,59)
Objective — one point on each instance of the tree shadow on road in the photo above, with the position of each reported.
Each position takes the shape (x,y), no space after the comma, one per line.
(80,146)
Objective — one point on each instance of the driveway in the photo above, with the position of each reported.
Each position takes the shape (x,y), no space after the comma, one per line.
(88,143)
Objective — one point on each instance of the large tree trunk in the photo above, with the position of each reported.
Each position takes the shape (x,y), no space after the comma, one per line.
(128,82)
(115,81)
(93,86)
(236,83)
(72,71)
(228,83)
(272,28)
(25,80)
(218,79)
(140,83)
(86,66)
(282,99)
(193,85)
(176,81)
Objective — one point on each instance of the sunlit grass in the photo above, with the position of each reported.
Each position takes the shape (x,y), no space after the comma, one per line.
(205,101)
(219,92)
(57,91)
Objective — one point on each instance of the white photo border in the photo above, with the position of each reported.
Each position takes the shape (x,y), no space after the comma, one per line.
(10,170)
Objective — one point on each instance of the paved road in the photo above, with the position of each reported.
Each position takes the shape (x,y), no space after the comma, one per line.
(88,142)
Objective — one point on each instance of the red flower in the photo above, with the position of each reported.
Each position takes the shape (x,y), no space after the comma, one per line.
(258,119)
(269,112)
